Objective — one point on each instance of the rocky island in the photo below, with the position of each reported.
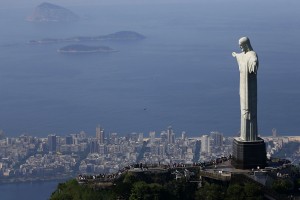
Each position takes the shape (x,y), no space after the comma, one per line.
(117,36)
(121,35)
(47,12)
(79,48)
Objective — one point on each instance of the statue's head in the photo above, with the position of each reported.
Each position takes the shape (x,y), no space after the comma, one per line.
(245,45)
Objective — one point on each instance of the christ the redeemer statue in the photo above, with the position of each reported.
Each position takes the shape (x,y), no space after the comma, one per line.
(248,150)
(248,66)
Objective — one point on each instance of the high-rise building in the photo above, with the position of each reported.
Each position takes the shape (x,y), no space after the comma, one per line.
(8,141)
(162,150)
(274,132)
(102,149)
(170,135)
(100,134)
(52,143)
(141,137)
(172,138)
(163,136)
(217,139)
(94,146)
(113,138)
(183,135)
(205,144)
(152,137)
(69,139)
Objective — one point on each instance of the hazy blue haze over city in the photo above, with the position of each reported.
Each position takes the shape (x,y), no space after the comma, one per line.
(182,75)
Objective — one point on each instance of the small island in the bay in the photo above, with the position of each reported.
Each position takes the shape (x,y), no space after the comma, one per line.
(47,12)
(80,48)
(122,35)
(118,36)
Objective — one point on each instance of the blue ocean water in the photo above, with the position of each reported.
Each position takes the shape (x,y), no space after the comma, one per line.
(181,75)
(33,191)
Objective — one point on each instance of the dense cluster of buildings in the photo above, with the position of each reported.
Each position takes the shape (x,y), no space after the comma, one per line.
(28,156)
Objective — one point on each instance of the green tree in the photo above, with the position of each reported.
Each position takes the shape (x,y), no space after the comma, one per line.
(235,192)
(210,192)
(138,190)
(71,190)
(129,178)
(124,186)
(253,192)
(297,183)
(283,186)
(153,191)
(180,189)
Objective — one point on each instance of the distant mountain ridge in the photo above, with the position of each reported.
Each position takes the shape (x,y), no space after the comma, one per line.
(47,12)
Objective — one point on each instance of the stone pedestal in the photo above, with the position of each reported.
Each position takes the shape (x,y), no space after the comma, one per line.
(248,155)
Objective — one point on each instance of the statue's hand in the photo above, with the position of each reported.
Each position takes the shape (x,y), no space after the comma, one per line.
(233,54)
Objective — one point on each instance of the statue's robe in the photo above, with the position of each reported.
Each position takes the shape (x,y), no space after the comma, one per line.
(248,66)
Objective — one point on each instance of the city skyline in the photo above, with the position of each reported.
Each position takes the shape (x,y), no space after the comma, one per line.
(62,157)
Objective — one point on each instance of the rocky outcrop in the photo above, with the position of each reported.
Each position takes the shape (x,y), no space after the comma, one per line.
(47,12)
